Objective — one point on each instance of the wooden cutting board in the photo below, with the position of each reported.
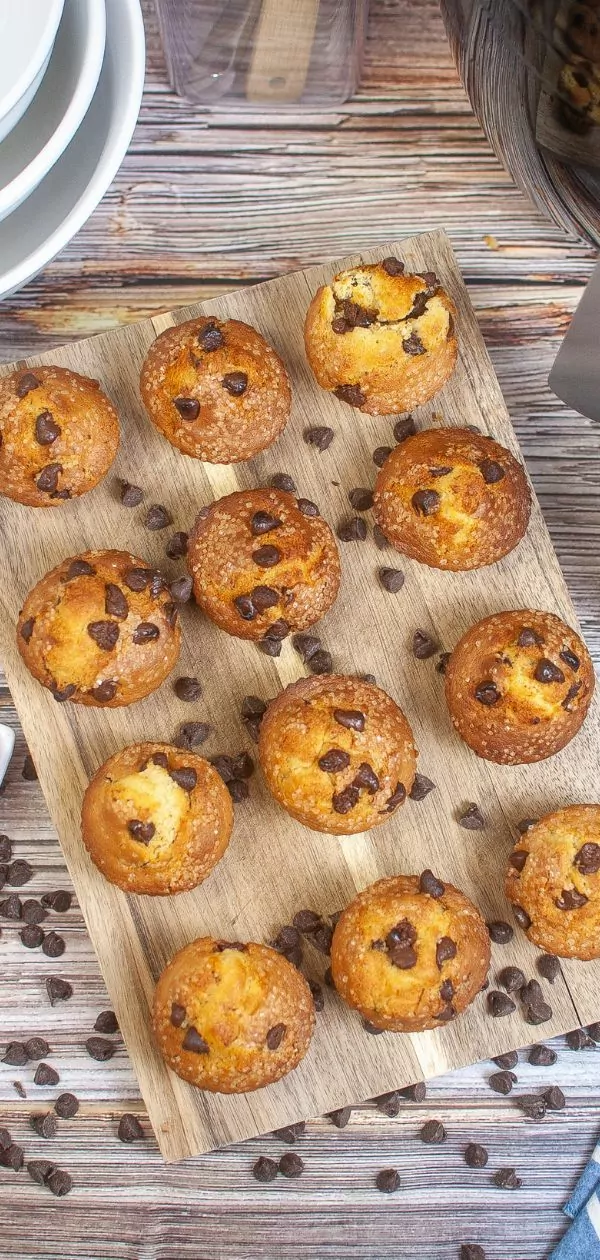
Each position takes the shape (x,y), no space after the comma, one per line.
(274,866)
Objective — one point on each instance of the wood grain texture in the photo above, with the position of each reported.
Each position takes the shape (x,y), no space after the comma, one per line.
(274,866)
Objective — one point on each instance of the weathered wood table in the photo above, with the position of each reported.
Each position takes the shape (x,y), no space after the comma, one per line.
(199,206)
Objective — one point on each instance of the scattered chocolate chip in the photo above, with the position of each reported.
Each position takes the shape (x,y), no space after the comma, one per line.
(5,849)
(414,1093)
(547,672)
(177,545)
(26,383)
(502,1082)
(243,766)
(45,1075)
(290,1132)
(188,408)
(506,1179)
(433,1132)
(15,1054)
(53,945)
(32,936)
(472,819)
(58,990)
(471,1251)
(39,1170)
(594,1031)
(236,383)
(283,481)
(533,1106)
(511,978)
(290,1165)
(238,790)
(421,787)
(322,937)
(431,885)
(587,860)
(319,436)
(12,1157)
(499,1004)
(340,1117)
(548,966)
(181,589)
(380,455)
(476,1156)
(317,995)
(388,1180)
(44,1125)
(571,899)
(105,691)
(59,901)
(145,632)
(33,911)
(59,1182)
(542,1056)
(306,645)
(264,1169)
(404,428)
(158,517)
(46,429)
(392,580)
(187,689)
(442,664)
(372,1028)
(361,499)
(321,662)
(388,1104)
(99,1048)
(413,344)
(554,1098)
(47,480)
(211,338)
(578,1040)
(191,734)
(426,502)
(19,873)
(11,907)
(352,530)
(393,266)
(507,1061)
(131,496)
(423,646)
(130,1129)
(351,394)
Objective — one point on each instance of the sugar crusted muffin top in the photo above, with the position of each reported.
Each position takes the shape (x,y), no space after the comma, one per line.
(554,882)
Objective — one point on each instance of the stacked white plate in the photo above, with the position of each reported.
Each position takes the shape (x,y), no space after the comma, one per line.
(71,76)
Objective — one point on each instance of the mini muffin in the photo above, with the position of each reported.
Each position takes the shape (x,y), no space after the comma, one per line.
(156,819)
(100,629)
(380,339)
(231,1018)
(518,686)
(452,499)
(216,390)
(410,953)
(337,753)
(263,563)
(59,435)
(554,882)
(582,31)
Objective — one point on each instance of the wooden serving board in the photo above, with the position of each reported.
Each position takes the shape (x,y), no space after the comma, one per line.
(274,866)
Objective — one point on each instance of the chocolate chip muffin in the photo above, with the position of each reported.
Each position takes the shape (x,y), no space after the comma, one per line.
(337,753)
(380,339)
(216,389)
(554,882)
(156,819)
(263,563)
(231,1018)
(410,953)
(518,686)
(452,499)
(59,435)
(100,629)
(582,31)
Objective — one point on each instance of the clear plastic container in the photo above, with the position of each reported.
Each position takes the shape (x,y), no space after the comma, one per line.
(264,54)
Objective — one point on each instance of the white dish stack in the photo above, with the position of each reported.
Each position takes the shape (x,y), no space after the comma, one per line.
(71,82)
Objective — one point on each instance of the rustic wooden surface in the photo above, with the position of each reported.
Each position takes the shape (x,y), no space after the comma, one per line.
(196,209)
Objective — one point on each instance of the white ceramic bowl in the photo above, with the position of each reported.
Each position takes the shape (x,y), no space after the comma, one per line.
(58,108)
(27,32)
(11,119)
(59,207)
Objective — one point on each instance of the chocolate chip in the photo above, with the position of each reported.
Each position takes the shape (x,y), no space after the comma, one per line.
(58,990)
(104,633)
(322,937)
(263,597)
(397,798)
(19,873)
(191,734)
(46,429)
(472,819)
(99,1048)
(587,859)
(130,1129)
(340,1117)
(539,1014)
(5,849)
(414,1093)
(264,1169)
(47,479)
(351,719)
(27,629)
(392,580)
(413,344)
(181,589)
(12,1157)
(445,950)
(211,338)
(267,556)
(306,645)
(549,967)
(290,1165)
(446,992)
(53,945)
(353,529)
(380,455)
(223,766)
(15,1054)
(426,502)
(145,632)
(44,1125)
(421,787)
(440,472)
(487,693)
(570,899)
(236,383)
(105,691)
(115,603)
(502,1082)
(32,936)
(594,1031)
(507,1061)
(361,499)
(33,911)
(476,1156)
(158,517)
(321,662)
(185,777)
(131,496)
(319,436)
(177,545)
(511,979)
(187,689)
(366,777)
(307,920)
(238,790)
(442,664)
(471,1251)
(429,884)
(533,1106)
(26,383)
(106,1022)
(334,760)
(570,658)
(11,907)
(39,1170)
(573,691)
(522,917)
(433,1132)
(423,646)
(290,1132)
(60,901)
(178,1013)
(399,943)
(245,607)
(388,1180)
(351,394)
(554,1098)
(506,1179)
(393,266)
(137,579)
(275,1036)
(283,481)
(547,672)
(371,1028)
(317,995)
(578,1040)
(243,766)
(491,471)
(188,408)
(141,831)
(59,1182)
(499,1004)
(342,802)
(388,1104)
(542,1056)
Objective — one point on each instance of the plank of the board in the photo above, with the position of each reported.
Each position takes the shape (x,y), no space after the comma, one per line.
(274,866)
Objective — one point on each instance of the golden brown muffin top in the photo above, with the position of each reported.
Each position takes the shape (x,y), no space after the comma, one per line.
(518,685)
(452,499)
(554,882)
(410,952)
(58,435)
(156,818)
(232,1017)
(100,629)
(261,558)
(337,753)
(216,389)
